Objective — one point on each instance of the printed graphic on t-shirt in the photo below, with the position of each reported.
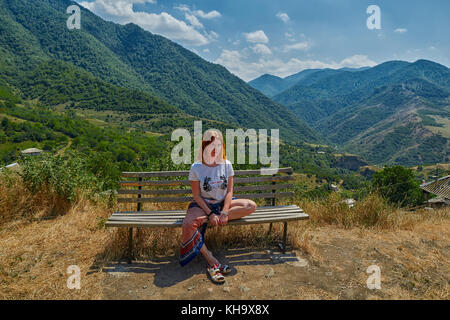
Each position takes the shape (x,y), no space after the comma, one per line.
(224,184)
(208,185)
(213,180)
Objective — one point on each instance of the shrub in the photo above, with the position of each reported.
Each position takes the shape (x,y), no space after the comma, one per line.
(68,175)
(398,185)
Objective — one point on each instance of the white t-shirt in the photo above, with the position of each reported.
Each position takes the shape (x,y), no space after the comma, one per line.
(213,180)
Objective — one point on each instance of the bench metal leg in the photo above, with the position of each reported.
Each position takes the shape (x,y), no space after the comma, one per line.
(283,244)
(130,245)
(284,237)
(270,229)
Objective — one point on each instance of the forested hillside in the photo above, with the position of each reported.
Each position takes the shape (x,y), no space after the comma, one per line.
(112,146)
(396,112)
(33,32)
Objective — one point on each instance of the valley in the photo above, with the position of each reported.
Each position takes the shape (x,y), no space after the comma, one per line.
(393,113)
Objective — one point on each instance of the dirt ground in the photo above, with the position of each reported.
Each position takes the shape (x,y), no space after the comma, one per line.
(332,264)
(329,262)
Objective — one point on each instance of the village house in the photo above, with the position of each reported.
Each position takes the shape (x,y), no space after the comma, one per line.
(440,188)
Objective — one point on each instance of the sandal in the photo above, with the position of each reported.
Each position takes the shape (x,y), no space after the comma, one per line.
(216,274)
(224,268)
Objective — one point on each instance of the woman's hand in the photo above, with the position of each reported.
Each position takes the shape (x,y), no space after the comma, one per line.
(223,219)
(199,221)
(214,219)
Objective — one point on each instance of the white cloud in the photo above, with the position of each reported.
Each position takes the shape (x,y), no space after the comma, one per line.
(213,35)
(401,30)
(357,61)
(183,7)
(113,7)
(193,20)
(199,13)
(256,37)
(122,11)
(193,15)
(210,15)
(238,63)
(290,36)
(297,46)
(283,16)
(261,49)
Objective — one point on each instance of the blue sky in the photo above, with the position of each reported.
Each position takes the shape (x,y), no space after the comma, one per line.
(253,37)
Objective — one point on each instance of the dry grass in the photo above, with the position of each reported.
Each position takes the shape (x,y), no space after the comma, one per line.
(371,212)
(42,235)
(34,256)
(18,203)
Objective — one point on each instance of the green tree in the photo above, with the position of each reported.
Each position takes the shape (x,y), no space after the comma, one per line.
(5,122)
(398,185)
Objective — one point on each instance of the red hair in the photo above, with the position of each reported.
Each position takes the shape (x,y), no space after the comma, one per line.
(206,143)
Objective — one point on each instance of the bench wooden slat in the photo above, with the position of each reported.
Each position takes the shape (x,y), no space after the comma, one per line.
(177,222)
(186,182)
(186,199)
(162,219)
(260,187)
(186,173)
(154,183)
(177,216)
(263,187)
(258,209)
(183,214)
(159,191)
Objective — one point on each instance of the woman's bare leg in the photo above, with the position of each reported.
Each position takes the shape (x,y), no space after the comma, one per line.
(208,256)
(240,208)
(195,217)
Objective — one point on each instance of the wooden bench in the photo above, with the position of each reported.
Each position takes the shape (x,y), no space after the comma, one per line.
(156,187)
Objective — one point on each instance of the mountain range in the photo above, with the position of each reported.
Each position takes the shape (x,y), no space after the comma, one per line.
(126,68)
(395,112)
(272,85)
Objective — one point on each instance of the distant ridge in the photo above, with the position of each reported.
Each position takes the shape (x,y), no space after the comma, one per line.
(395,112)
(272,85)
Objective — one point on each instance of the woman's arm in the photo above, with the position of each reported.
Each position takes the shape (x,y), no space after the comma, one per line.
(227,201)
(212,218)
(223,220)
(195,186)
